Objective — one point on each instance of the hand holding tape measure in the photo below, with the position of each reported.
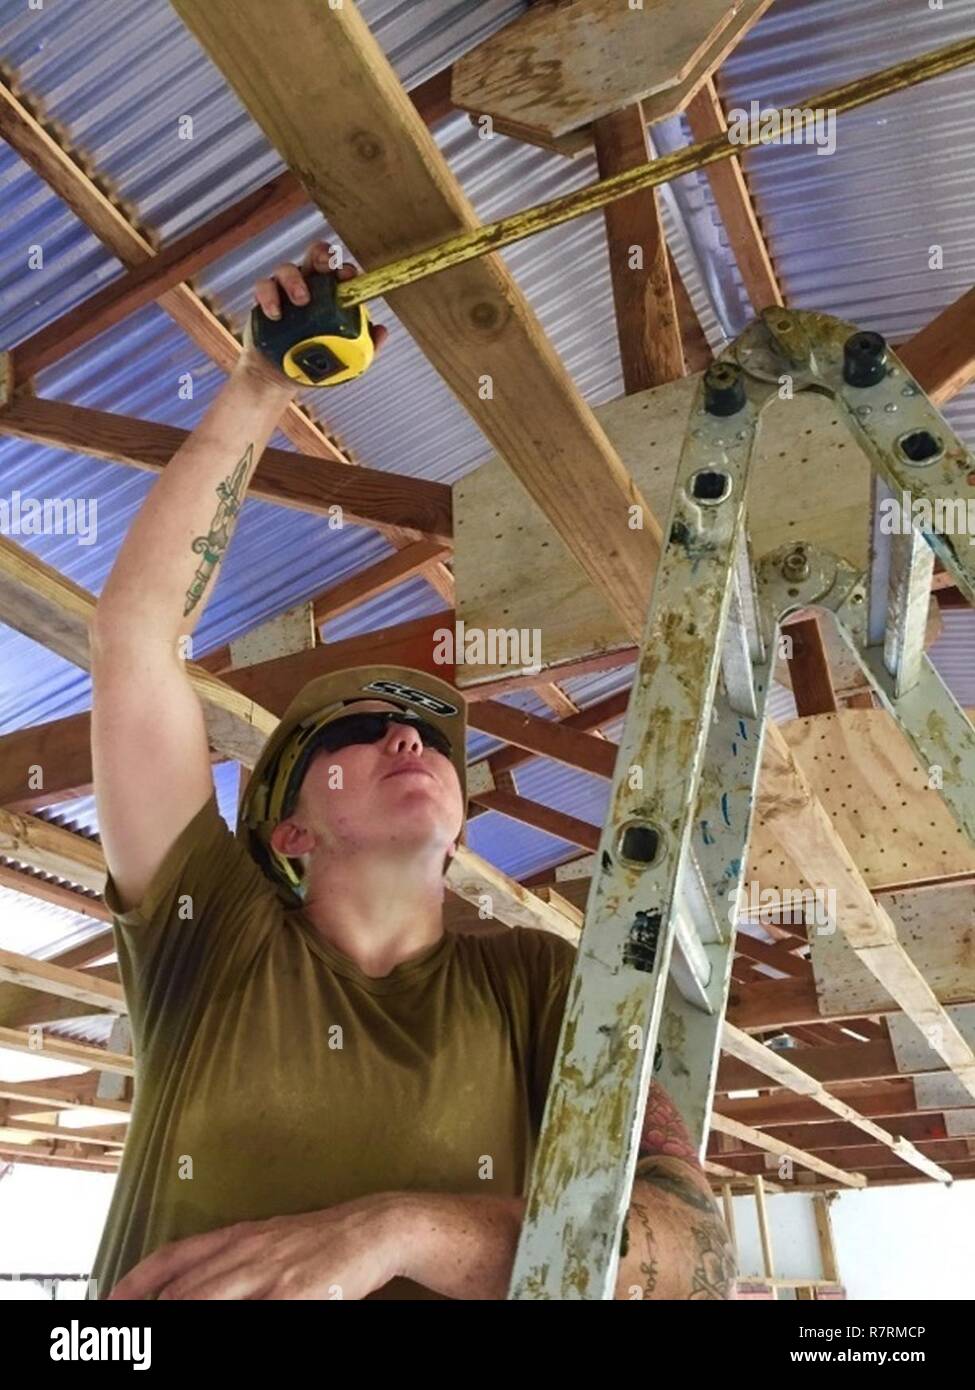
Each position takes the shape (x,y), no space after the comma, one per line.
(299,326)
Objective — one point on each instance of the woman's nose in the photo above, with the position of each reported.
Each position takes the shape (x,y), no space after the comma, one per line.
(403,736)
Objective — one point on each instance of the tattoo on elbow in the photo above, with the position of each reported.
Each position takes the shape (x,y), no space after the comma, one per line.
(711,1263)
(715,1267)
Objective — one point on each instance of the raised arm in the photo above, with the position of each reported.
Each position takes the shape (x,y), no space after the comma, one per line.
(149,748)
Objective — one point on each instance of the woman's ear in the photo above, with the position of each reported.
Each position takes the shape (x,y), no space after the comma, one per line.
(292,839)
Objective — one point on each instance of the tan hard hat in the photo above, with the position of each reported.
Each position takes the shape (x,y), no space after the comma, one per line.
(320,702)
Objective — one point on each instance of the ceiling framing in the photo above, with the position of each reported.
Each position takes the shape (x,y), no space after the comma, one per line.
(388,194)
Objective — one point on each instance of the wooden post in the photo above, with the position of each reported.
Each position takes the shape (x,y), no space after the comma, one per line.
(758,1183)
(728,1203)
(824,1231)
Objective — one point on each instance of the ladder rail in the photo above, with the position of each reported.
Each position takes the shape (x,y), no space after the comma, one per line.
(674,847)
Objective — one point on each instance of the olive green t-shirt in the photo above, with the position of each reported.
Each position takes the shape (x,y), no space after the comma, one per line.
(272,1076)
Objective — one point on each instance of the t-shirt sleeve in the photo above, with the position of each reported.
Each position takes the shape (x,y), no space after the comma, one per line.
(207,911)
(551,960)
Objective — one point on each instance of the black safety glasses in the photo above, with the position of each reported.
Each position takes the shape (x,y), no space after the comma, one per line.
(371,726)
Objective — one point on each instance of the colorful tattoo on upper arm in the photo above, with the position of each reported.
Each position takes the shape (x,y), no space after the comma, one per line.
(669,1163)
(664,1131)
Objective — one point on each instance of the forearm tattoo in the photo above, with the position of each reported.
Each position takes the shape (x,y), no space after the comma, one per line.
(213,545)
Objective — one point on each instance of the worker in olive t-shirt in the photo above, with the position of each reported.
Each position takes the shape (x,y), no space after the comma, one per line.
(334,1097)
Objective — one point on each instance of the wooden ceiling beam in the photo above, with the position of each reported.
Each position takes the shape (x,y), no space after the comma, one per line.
(539,817)
(416,508)
(864,1157)
(647,324)
(898,1176)
(177,262)
(775,956)
(49,608)
(371,165)
(63,173)
(19,881)
(77,1091)
(24,132)
(61,1155)
(105,1137)
(63,1050)
(409,644)
(824,1065)
(566,741)
(707,120)
(942,355)
(77,985)
(186,256)
(479,882)
(840,1134)
(588,720)
(779,1067)
(722,1124)
(878,1100)
(20,1007)
(49,849)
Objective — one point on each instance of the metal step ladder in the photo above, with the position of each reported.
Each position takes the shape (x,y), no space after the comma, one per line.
(650,985)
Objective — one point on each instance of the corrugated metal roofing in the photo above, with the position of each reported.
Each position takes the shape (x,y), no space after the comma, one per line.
(848,235)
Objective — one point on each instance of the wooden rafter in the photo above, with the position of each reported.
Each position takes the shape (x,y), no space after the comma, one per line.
(723,1125)
(646,313)
(25,134)
(371,165)
(942,355)
(540,817)
(43,1044)
(707,120)
(812,683)
(774,956)
(51,850)
(414,507)
(83,987)
(19,881)
(61,1154)
(188,255)
(867,1158)
(73,1092)
(778,1066)
(39,602)
(840,1134)
(883,1100)
(177,262)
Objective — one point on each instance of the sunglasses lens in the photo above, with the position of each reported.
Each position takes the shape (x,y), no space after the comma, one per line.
(370,728)
(354,728)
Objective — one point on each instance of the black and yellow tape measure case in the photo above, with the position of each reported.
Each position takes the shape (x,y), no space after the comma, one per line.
(320,343)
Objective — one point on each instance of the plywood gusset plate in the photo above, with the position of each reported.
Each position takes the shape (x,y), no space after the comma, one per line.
(810,481)
(896,827)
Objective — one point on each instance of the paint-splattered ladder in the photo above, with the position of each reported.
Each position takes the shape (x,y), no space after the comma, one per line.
(655,955)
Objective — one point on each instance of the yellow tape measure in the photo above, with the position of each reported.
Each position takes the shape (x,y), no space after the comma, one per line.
(320,343)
